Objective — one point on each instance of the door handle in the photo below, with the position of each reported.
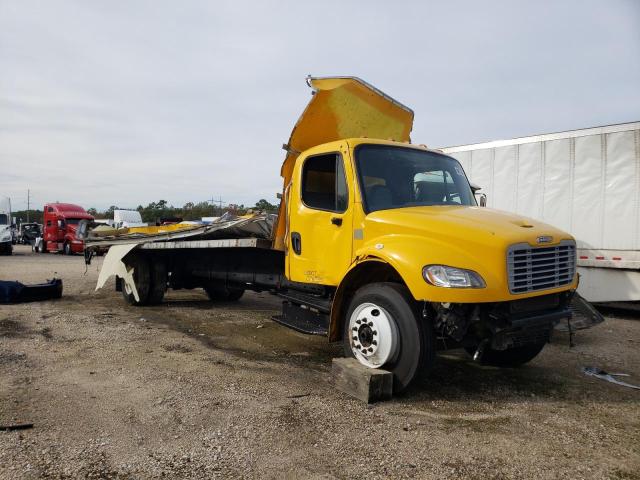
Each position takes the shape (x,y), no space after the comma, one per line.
(296,243)
(336,221)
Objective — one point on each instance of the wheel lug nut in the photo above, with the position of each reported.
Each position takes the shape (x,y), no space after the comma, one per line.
(375,333)
(371,324)
(355,338)
(370,349)
(374,343)
(355,329)
(358,322)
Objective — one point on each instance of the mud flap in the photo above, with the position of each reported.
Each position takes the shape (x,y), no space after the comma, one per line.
(583,315)
(113,265)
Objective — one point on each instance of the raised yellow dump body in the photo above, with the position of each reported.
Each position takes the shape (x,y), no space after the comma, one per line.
(341,107)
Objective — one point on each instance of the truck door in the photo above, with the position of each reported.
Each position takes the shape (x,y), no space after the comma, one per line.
(320,220)
(50,234)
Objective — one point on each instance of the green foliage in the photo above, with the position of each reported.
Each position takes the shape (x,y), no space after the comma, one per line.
(161,209)
(265,206)
(34,216)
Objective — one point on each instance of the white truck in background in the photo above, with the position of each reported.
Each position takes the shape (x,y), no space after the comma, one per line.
(6,243)
(586,182)
(127,218)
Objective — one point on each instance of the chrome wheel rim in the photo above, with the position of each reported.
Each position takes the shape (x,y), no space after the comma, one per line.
(373,335)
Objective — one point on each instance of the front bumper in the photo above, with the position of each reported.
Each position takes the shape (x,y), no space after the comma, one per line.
(533,328)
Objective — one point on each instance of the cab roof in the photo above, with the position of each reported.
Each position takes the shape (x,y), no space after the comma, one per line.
(69,210)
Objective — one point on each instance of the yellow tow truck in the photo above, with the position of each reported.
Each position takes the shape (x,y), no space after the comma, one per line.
(379,244)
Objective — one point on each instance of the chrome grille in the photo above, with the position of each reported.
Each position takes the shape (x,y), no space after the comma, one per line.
(539,268)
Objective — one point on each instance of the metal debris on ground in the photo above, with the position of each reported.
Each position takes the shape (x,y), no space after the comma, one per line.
(16,426)
(16,292)
(609,377)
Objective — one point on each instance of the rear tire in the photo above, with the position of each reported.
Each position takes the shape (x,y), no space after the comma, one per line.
(383,321)
(158,283)
(512,357)
(222,293)
(142,279)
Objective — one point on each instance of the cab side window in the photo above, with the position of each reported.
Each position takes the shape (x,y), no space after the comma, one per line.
(324,185)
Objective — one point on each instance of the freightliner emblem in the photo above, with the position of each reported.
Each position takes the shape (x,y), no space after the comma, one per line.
(545,239)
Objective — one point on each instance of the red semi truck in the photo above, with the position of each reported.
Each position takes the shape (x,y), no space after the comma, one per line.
(59,228)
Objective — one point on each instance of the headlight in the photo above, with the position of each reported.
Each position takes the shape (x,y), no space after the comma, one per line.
(451,277)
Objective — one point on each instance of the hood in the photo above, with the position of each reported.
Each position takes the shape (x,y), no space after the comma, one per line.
(473,238)
(479,226)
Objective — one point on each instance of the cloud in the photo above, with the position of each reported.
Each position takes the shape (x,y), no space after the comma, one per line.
(126,103)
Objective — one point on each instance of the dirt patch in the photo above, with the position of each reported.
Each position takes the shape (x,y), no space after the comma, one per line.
(176,347)
(11,357)
(202,390)
(10,328)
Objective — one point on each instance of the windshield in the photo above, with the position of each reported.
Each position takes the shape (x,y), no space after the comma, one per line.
(73,221)
(395,177)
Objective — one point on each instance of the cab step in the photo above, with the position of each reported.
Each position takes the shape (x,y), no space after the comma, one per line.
(303,319)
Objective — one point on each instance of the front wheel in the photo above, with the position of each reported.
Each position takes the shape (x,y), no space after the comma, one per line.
(383,329)
(67,249)
(511,357)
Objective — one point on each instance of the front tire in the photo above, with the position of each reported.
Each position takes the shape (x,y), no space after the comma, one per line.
(66,249)
(383,329)
(511,357)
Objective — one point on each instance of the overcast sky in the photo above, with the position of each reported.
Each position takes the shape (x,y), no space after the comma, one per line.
(128,102)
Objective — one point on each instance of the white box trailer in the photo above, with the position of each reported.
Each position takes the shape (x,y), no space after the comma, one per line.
(586,182)
(127,218)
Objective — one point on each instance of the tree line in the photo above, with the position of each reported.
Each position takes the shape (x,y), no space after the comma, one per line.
(161,209)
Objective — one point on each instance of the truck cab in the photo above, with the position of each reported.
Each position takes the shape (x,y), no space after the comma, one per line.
(394,232)
(60,221)
(29,232)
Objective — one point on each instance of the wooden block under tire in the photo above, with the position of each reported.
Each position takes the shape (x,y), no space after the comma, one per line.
(366,384)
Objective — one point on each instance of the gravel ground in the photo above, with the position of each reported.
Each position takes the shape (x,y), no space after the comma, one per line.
(191,389)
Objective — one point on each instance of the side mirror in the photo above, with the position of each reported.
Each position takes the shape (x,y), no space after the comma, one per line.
(480,197)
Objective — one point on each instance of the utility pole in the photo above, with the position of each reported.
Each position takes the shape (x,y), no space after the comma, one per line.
(219,202)
(28,204)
